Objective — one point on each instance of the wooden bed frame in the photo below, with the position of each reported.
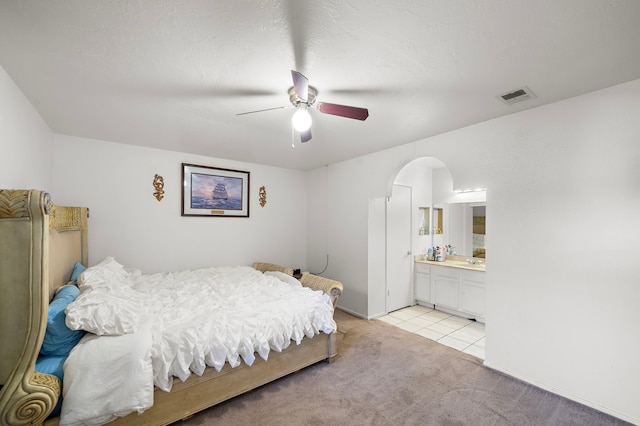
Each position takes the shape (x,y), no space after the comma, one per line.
(39,244)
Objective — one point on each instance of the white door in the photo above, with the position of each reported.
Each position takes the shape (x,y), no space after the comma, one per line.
(399,255)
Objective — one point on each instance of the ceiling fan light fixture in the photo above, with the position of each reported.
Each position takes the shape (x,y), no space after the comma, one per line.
(301,119)
(302,97)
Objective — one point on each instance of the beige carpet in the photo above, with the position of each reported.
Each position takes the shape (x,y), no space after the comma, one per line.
(386,376)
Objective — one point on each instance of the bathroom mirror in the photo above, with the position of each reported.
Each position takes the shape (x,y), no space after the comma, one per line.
(467,228)
(479,230)
(424,214)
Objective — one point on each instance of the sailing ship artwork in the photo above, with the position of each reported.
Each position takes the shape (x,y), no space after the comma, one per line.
(216,192)
(213,191)
(220,192)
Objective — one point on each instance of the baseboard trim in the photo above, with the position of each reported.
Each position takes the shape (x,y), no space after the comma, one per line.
(591,404)
(349,311)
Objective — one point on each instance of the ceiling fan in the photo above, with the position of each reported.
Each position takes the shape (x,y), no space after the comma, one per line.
(303,96)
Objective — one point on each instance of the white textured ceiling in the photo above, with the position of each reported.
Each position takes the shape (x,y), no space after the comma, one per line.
(173,74)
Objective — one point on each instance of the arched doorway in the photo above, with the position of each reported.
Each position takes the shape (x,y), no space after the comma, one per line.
(443,303)
(416,179)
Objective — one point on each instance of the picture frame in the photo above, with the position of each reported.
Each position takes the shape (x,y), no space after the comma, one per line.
(214,191)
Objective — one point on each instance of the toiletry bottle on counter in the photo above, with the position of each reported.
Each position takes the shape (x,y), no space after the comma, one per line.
(430,253)
(438,254)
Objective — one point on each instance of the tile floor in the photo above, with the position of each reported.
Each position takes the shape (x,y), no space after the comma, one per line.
(456,332)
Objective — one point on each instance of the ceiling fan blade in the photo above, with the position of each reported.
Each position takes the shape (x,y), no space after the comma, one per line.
(300,85)
(305,136)
(298,15)
(261,110)
(343,111)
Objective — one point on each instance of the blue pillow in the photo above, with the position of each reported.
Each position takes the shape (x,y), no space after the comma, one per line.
(58,338)
(78,268)
(52,365)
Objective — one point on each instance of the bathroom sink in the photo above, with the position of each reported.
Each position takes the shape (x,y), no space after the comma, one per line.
(466,264)
(481,266)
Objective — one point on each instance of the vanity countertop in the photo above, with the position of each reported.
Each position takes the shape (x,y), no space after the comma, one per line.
(460,264)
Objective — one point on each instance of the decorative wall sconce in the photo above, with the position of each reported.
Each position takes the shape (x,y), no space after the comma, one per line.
(158,184)
(262,193)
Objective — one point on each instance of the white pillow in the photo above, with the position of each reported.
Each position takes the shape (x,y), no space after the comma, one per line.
(107,273)
(108,377)
(284,277)
(106,311)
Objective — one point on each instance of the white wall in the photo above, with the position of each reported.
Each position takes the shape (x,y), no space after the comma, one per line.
(377,259)
(26,142)
(420,179)
(559,311)
(115,182)
(316,194)
(562,284)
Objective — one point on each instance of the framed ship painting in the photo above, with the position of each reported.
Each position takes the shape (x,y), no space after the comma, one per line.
(211,191)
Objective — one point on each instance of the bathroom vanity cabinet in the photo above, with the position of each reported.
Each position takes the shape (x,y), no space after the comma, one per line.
(459,291)
(422,282)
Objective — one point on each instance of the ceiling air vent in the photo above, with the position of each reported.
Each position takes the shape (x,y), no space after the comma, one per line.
(517,95)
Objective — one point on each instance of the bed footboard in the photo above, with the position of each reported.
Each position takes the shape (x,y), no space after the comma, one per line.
(264,267)
(332,287)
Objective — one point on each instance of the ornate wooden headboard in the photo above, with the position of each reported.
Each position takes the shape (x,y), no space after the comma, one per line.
(39,244)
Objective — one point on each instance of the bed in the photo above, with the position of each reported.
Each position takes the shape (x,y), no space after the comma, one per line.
(40,244)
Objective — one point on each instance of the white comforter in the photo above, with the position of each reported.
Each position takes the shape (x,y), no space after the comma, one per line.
(199,318)
(209,316)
